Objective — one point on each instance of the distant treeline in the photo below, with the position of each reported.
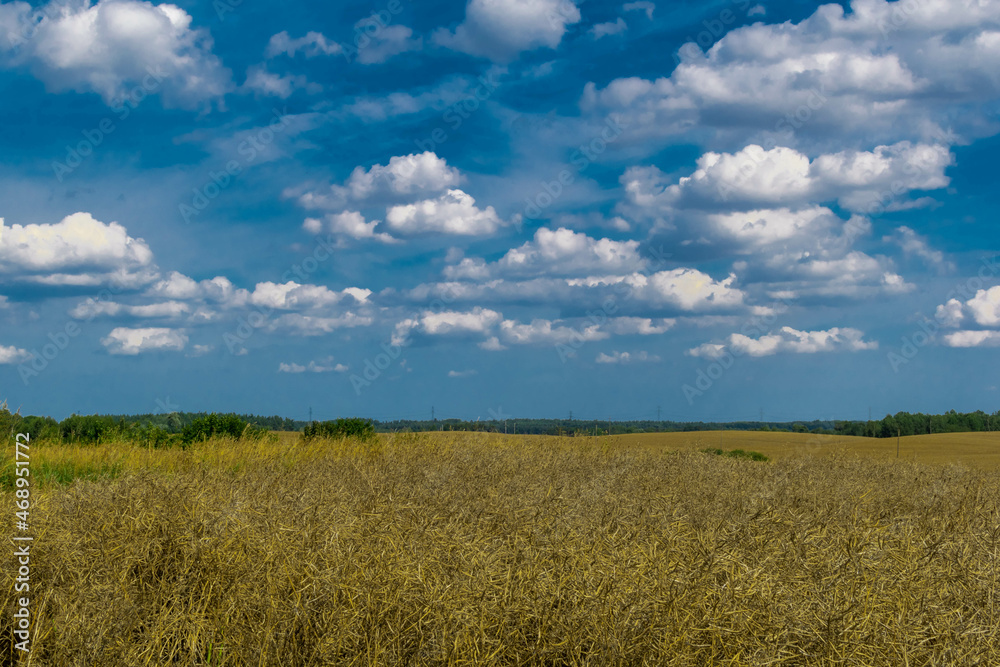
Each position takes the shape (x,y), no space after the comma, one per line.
(902,423)
(96,428)
(592,427)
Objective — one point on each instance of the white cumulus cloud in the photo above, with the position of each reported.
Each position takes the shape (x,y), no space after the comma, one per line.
(79,250)
(13,355)
(131,342)
(788,340)
(454,212)
(113,47)
(502,29)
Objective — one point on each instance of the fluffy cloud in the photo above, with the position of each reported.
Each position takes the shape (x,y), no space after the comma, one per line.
(761,206)
(79,250)
(322,366)
(112,47)
(404,184)
(498,333)
(788,340)
(545,332)
(311,45)
(824,274)
(950,314)
(884,71)
(350,224)
(293,296)
(556,252)
(502,29)
(135,341)
(454,212)
(754,178)
(973,339)
(308,309)
(676,291)
(686,289)
(983,309)
(446,323)
(418,173)
(219,290)
(13,355)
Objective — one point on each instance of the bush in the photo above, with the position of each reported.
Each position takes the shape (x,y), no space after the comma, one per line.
(736,454)
(151,435)
(40,428)
(89,430)
(10,423)
(362,429)
(214,424)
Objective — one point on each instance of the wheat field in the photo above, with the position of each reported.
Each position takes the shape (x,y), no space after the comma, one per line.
(477,549)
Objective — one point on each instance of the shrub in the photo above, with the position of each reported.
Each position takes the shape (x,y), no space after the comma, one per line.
(736,454)
(362,429)
(151,435)
(89,430)
(214,424)
(10,423)
(40,428)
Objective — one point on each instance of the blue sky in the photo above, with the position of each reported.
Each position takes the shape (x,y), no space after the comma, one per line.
(500,208)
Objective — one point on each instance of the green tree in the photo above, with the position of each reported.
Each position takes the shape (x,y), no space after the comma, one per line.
(363,429)
(10,422)
(217,425)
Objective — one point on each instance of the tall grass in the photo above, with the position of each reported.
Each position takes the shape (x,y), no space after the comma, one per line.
(468,549)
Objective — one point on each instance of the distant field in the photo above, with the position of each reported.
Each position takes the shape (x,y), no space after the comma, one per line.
(966,448)
(980,449)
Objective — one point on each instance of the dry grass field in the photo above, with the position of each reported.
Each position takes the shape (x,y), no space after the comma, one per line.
(978,449)
(471,549)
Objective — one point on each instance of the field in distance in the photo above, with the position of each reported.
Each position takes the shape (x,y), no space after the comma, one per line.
(978,449)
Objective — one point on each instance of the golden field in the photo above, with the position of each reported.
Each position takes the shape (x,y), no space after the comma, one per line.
(978,449)
(476,549)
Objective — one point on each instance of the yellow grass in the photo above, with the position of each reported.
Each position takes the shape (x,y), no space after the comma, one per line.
(979,449)
(469,549)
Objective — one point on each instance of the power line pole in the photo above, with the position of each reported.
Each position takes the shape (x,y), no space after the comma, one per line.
(432,414)
(658,413)
(310,415)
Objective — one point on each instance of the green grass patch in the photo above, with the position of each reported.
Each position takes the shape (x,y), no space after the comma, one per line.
(736,454)
(62,473)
